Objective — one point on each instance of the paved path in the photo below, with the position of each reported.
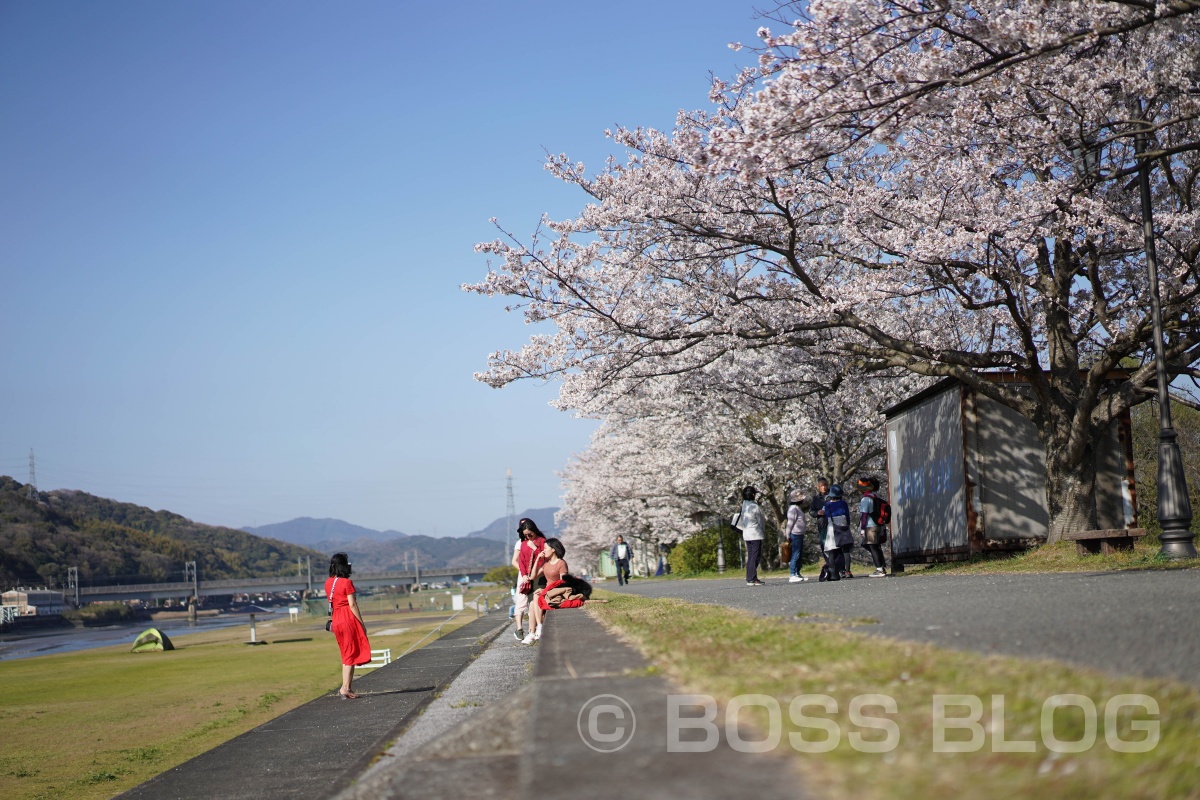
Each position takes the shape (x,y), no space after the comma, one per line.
(592,723)
(1134,623)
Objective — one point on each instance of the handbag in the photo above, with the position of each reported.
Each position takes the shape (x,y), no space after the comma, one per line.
(329,622)
(736,519)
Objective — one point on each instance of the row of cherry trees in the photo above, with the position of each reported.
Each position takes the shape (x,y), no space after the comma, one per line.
(896,192)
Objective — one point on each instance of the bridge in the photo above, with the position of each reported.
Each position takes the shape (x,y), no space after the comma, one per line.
(283,583)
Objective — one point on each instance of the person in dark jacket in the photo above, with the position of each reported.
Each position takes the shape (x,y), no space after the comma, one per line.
(816,505)
(835,534)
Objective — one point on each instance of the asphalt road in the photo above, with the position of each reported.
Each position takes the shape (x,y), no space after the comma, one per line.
(1127,623)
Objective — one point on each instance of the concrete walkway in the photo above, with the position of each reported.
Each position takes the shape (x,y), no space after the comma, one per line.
(593,722)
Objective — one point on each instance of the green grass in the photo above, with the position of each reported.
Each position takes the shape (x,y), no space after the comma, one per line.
(724,653)
(94,723)
(1060,557)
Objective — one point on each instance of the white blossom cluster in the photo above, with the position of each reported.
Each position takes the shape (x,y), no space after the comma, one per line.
(930,189)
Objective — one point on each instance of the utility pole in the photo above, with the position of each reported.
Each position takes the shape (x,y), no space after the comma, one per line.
(512,518)
(73,583)
(31,490)
(189,574)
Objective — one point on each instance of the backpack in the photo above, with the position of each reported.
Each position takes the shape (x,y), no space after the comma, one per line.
(881,511)
(827,574)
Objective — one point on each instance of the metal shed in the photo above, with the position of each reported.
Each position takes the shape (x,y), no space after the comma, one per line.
(967,475)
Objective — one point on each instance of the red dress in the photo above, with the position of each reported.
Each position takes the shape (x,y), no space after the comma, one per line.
(349,632)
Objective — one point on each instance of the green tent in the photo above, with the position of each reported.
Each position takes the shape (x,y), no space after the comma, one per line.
(152,639)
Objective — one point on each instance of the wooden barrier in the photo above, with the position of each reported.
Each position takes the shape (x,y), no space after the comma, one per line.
(1106,542)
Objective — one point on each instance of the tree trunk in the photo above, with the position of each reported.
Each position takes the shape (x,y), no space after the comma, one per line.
(1070,487)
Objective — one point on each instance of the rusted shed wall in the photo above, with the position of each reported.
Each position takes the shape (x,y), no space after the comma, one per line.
(1012,474)
(968,474)
(925,477)
(1114,498)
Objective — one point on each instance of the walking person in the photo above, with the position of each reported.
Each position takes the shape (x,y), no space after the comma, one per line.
(796,524)
(527,558)
(347,624)
(750,520)
(622,554)
(871,533)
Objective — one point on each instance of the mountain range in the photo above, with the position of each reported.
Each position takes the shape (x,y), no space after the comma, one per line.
(377,551)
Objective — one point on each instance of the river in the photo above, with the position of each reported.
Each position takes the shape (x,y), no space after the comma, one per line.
(66,640)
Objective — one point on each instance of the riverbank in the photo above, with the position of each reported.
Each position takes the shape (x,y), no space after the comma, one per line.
(112,719)
(159,616)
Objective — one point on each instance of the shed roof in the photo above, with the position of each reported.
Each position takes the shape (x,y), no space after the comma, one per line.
(921,396)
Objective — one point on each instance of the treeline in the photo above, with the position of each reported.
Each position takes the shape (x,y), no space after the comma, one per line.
(120,542)
(1186,423)
(434,553)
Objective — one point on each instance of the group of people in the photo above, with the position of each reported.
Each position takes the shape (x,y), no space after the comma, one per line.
(544,581)
(834,526)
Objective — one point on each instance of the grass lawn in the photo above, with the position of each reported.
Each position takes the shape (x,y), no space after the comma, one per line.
(724,653)
(92,724)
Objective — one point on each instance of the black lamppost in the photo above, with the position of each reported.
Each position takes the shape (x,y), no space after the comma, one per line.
(1174,508)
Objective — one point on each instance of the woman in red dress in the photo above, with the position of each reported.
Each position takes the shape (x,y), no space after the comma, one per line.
(348,626)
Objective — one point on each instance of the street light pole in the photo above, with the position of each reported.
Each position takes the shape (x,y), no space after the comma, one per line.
(1174,508)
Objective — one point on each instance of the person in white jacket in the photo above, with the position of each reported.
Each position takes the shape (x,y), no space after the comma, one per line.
(750,520)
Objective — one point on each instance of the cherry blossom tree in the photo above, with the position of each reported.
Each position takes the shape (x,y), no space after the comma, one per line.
(939,188)
(673,454)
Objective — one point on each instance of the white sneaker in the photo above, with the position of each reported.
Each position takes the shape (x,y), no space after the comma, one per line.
(797,579)
(530,639)
(878,574)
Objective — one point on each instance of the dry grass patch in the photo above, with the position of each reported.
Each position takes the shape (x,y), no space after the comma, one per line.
(725,653)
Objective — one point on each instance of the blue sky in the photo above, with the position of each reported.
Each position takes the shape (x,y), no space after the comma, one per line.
(232,236)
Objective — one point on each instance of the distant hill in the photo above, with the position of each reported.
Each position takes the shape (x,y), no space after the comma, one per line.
(309,532)
(110,541)
(368,555)
(374,551)
(499,530)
